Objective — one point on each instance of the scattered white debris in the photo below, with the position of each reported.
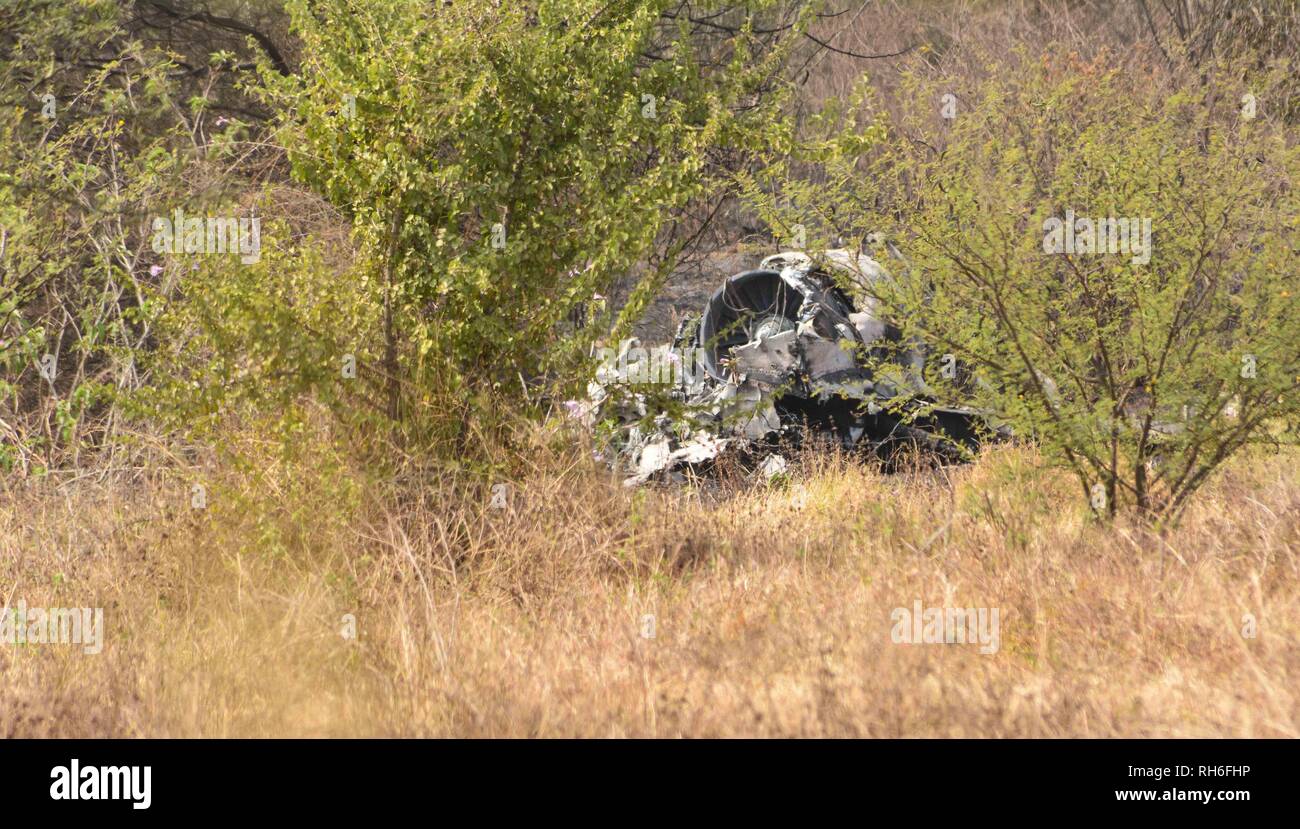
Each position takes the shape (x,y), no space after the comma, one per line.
(773,466)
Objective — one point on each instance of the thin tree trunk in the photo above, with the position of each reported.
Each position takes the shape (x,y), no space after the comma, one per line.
(390,334)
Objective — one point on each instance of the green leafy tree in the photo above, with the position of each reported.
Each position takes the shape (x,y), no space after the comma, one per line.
(501,163)
(1140,355)
(91,146)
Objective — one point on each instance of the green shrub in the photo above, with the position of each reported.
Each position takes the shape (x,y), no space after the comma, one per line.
(502,163)
(1140,370)
(92,146)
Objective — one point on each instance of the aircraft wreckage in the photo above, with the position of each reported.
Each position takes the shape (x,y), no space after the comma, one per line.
(779,355)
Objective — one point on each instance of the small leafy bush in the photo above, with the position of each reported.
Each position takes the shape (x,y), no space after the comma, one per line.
(1107,265)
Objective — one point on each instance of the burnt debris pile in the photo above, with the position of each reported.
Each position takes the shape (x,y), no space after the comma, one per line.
(779,356)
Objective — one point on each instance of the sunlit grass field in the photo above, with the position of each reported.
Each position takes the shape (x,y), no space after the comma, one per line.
(733,607)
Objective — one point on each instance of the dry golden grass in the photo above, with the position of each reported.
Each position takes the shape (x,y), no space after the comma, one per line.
(771,604)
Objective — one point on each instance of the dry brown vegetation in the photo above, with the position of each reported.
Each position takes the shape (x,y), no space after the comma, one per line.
(771,602)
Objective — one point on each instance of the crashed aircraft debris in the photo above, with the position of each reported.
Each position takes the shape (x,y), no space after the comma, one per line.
(778,352)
